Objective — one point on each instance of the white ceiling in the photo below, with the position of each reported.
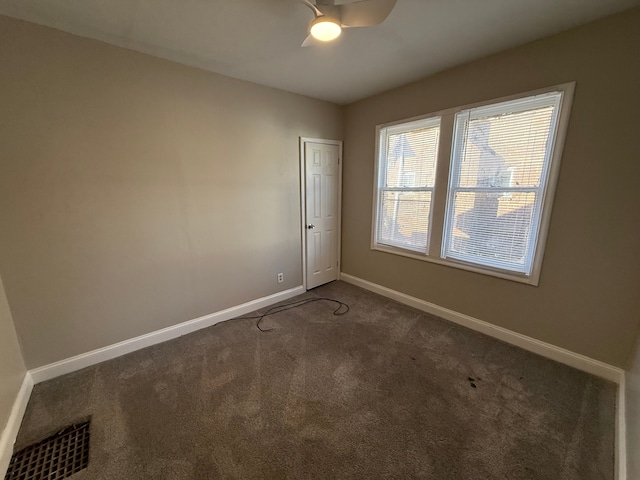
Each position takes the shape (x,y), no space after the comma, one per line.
(259,40)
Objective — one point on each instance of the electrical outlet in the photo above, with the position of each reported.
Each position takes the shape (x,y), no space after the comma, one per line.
(280,277)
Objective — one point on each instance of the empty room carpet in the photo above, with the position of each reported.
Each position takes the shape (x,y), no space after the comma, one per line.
(384,391)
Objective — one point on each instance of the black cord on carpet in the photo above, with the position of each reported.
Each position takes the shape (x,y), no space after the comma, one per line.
(289,306)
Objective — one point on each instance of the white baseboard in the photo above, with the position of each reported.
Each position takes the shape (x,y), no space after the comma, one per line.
(621,431)
(575,360)
(10,432)
(83,360)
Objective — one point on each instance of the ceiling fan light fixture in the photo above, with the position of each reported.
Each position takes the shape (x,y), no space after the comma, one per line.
(325,29)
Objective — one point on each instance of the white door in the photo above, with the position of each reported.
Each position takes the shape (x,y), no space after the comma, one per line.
(322,225)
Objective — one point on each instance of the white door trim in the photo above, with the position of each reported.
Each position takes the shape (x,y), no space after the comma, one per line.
(303,198)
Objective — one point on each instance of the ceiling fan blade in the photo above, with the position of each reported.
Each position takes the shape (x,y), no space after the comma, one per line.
(315,10)
(307,41)
(365,13)
(311,42)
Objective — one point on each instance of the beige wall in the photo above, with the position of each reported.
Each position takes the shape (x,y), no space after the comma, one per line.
(587,300)
(632,407)
(12,369)
(136,193)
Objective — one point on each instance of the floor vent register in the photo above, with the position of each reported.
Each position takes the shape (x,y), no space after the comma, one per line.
(54,458)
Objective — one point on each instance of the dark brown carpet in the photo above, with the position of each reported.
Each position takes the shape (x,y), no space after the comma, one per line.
(382,392)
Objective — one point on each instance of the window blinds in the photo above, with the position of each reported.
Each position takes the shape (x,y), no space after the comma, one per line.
(499,169)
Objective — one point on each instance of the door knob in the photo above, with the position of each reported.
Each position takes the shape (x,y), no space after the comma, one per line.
(310,226)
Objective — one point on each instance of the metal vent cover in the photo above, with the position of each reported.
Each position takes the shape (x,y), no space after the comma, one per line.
(54,458)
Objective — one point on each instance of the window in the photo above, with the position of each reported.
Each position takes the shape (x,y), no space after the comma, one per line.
(483,205)
(407,179)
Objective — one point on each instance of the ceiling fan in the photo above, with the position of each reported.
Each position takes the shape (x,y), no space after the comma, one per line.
(331,16)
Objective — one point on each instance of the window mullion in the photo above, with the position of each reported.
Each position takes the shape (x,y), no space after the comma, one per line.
(439,197)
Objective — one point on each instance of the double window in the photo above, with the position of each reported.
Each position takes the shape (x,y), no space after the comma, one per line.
(472,187)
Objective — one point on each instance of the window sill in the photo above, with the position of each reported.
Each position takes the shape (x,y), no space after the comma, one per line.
(532,280)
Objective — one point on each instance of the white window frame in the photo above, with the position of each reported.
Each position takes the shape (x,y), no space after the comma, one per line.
(440,194)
